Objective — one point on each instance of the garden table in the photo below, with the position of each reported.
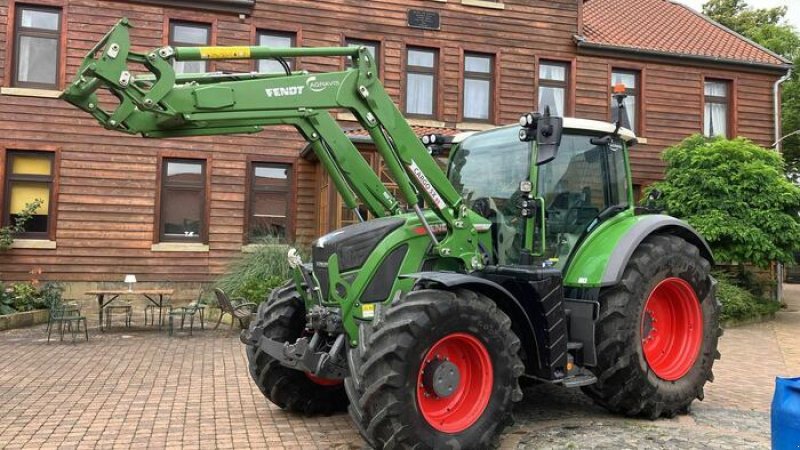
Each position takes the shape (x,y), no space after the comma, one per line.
(155,296)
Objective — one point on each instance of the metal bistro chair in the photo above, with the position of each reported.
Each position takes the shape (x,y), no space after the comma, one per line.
(195,308)
(66,315)
(150,311)
(67,306)
(125,308)
(239,309)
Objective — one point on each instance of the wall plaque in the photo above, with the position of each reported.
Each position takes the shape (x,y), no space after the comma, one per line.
(426,20)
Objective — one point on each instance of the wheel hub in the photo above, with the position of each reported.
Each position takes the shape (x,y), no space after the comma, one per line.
(672,329)
(455,382)
(440,377)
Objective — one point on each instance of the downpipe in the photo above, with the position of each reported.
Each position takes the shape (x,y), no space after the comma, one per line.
(779,148)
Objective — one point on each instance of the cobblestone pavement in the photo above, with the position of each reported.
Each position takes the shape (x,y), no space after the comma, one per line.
(139,387)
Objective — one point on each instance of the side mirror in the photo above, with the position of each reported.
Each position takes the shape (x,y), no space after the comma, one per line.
(654,196)
(546,130)
(548,137)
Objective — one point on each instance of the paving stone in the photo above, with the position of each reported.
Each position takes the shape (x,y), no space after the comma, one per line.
(140,388)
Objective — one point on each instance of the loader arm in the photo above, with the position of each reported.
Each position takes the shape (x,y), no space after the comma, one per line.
(161,104)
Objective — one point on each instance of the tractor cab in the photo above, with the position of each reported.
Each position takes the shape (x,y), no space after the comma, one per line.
(583,183)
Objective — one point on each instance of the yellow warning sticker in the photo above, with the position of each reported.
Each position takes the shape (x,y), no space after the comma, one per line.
(368,311)
(224,52)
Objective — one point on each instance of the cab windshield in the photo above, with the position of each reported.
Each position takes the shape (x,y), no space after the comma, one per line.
(583,181)
(487,170)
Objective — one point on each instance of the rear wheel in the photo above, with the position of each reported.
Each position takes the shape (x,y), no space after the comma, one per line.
(282,318)
(437,369)
(658,331)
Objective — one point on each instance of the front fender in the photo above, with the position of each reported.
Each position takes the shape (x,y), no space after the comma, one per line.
(601,258)
(504,300)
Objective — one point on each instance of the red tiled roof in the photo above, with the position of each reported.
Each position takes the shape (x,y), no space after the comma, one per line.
(666,27)
(418,130)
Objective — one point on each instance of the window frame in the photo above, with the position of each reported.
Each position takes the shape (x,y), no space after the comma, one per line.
(727,101)
(433,71)
(565,85)
(483,76)
(209,26)
(292,35)
(19,32)
(51,180)
(636,92)
(357,42)
(291,193)
(164,160)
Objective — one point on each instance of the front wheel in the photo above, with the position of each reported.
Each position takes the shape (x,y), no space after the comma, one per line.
(437,369)
(658,331)
(282,318)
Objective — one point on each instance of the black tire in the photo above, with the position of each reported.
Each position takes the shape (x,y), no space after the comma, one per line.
(626,382)
(282,318)
(385,367)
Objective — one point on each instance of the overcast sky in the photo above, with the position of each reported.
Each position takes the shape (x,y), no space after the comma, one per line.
(794,7)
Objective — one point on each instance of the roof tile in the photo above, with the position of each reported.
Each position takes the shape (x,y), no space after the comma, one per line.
(664,26)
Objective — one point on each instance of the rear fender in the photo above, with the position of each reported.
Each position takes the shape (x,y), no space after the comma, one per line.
(521,322)
(603,256)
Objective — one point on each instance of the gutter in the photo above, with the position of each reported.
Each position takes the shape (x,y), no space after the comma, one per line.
(582,43)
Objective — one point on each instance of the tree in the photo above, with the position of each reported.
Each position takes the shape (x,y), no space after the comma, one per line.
(736,195)
(767,27)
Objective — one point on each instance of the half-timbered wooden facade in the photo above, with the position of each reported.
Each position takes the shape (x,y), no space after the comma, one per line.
(179,210)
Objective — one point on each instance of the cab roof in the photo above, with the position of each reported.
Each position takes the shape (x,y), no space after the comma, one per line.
(570,123)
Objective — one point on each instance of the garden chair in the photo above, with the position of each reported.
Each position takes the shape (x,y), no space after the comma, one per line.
(239,309)
(69,306)
(125,308)
(67,315)
(195,308)
(151,309)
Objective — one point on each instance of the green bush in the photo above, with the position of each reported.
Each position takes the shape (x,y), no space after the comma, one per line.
(24,296)
(255,274)
(7,232)
(738,303)
(736,195)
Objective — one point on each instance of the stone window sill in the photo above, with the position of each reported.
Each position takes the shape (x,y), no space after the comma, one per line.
(475,126)
(252,248)
(428,123)
(483,4)
(28,92)
(180,247)
(36,244)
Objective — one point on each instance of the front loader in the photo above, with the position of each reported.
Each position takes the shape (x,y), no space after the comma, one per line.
(528,259)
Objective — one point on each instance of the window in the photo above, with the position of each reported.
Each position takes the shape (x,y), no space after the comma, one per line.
(374,49)
(29,178)
(716,110)
(274,40)
(183,200)
(553,78)
(189,34)
(37,49)
(421,82)
(270,190)
(631,81)
(478,86)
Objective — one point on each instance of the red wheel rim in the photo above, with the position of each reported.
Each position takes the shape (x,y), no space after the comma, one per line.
(460,409)
(323,381)
(672,329)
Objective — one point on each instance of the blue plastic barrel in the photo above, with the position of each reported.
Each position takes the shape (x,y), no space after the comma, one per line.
(786,414)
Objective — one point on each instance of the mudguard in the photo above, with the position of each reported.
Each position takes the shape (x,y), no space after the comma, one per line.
(500,295)
(601,258)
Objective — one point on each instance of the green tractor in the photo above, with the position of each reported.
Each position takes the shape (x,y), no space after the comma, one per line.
(528,259)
